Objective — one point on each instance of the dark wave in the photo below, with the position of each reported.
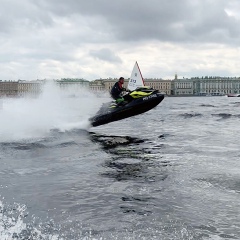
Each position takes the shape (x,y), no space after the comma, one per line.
(222,115)
(206,105)
(108,142)
(136,210)
(66,144)
(23,145)
(235,103)
(165,135)
(122,171)
(190,115)
(136,198)
(226,115)
(28,146)
(131,157)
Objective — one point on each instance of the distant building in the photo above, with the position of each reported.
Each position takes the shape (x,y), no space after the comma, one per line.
(30,88)
(76,83)
(214,85)
(8,89)
(183,86)
(164,86)
(97,85)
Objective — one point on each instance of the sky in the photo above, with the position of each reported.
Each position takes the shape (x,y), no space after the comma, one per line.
(52,39)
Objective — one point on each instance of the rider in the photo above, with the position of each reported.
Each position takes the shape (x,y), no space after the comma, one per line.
(117,89)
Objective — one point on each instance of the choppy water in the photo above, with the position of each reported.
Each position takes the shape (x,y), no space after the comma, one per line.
(172,173)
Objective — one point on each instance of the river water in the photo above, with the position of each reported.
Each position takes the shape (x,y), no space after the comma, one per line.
(171,173)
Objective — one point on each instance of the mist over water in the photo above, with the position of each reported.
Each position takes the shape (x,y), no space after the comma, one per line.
(55,108)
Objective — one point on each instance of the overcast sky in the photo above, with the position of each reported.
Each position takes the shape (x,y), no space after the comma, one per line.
(94,39)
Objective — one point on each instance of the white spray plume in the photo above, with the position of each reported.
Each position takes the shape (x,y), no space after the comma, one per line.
(55,108)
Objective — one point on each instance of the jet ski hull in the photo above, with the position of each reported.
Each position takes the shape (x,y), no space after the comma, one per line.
(109,114)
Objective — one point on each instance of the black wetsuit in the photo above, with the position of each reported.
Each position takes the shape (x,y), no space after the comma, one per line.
(116,90)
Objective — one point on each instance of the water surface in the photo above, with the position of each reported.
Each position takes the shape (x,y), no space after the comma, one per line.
(171,173)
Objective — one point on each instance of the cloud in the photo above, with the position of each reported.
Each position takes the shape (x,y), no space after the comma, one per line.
(74,38)
(105,55)
(184,21)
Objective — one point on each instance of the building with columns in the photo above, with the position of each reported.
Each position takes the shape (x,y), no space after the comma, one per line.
(164,86)
(216,85)
(178,86)
(29,88)
(182,86)
(156,83)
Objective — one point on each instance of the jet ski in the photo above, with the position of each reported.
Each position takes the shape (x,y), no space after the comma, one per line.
(141,100)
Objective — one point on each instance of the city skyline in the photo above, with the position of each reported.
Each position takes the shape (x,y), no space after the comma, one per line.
(195,86)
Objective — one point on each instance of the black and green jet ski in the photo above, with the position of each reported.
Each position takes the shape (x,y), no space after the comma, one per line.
(135,102)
